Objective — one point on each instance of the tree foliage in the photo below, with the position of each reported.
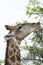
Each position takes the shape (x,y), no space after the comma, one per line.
(34,7)
(35,52)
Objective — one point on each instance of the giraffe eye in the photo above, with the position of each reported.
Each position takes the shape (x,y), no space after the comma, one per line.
(19,27)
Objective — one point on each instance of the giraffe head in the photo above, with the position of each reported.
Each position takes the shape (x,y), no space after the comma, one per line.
(20,31)
(17,33)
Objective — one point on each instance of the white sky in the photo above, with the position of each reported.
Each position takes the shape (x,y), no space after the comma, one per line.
(11,11)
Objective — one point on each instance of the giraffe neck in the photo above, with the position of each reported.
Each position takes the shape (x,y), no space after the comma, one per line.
(12,53)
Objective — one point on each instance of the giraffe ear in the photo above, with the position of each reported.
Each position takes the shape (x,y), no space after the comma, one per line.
(11,28)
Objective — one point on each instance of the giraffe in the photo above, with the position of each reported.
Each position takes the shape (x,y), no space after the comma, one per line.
(16,34)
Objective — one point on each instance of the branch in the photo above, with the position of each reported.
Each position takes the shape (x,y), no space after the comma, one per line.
(32,59)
